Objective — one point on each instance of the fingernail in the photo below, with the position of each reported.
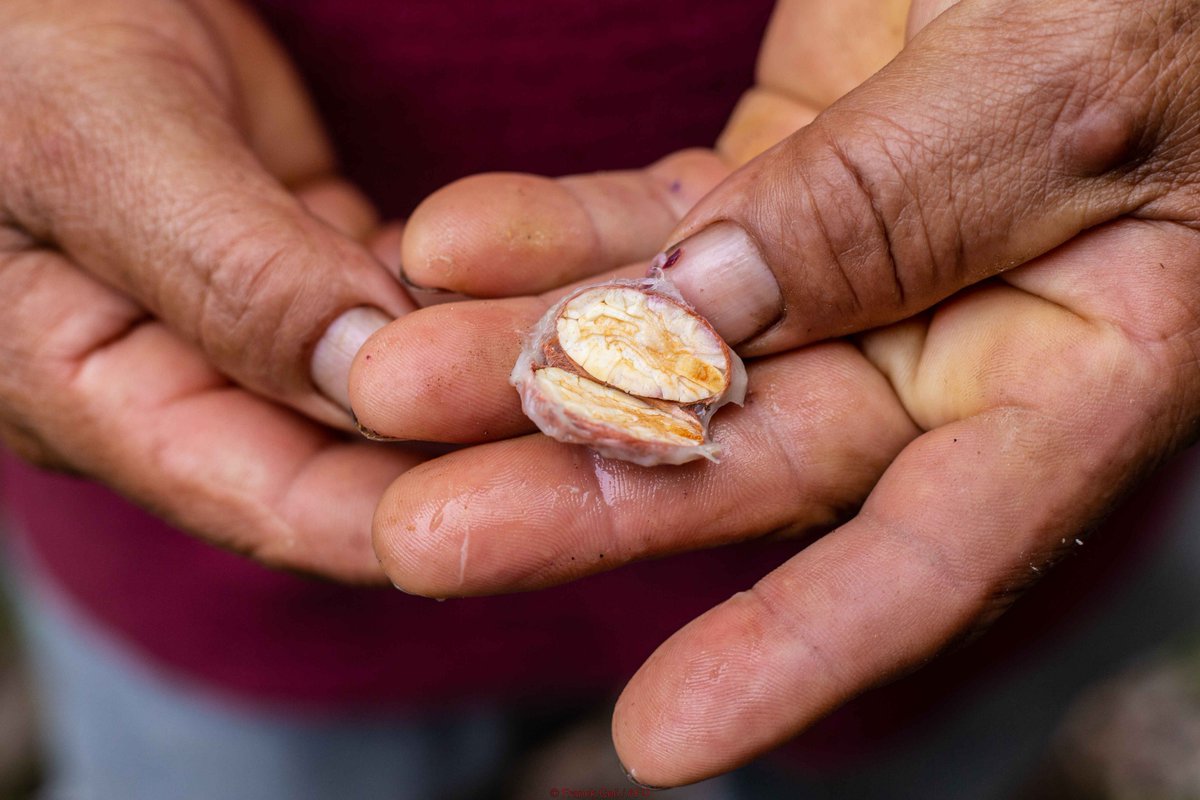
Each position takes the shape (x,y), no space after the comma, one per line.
(632,778)
(373,435)
(722,273)
(335,352)
(407,282)
(427,295)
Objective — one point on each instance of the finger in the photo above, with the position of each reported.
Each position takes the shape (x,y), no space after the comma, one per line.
(342,207)
(155,191)
(504,235)
(924,12)
(813,53)
(442,374)
(111,394)
(385,244)
(797,455)
(860,605)
(761,119)
(925,180)
(278,117)
(964,518)
(918,566)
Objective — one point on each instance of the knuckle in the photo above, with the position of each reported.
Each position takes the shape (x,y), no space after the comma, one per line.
(886,243)
(259,288)
(877,247)
(774,608)
(243,296)
(962,575)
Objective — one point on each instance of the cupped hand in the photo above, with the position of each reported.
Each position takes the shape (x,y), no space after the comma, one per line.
(1004,217)
(186,278)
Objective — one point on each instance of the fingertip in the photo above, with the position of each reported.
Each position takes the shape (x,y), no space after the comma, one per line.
(441,374)
(497,235)
(445,528)
(398,543)
(685,716)
(387,245)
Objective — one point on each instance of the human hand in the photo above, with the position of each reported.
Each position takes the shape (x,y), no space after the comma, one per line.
(991,426)
(176,249)
(454,360)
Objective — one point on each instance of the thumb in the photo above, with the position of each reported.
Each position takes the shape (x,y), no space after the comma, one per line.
(922,12)
(151,182)
(1002,130)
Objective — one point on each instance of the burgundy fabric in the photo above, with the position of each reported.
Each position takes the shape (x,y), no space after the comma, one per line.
(418,93)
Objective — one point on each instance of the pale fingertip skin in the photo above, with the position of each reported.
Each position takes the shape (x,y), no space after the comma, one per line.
(532,229)
(410,383)
(510,234)
(441,373)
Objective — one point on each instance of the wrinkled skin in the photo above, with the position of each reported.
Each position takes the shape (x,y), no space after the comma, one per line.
(174,241)
(1004,217)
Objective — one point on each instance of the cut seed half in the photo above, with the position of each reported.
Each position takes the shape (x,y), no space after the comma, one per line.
(589,403)
(643,343)
(629,369)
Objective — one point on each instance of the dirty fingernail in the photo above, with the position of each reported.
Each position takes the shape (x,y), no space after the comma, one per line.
(721,272)
(425,296)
